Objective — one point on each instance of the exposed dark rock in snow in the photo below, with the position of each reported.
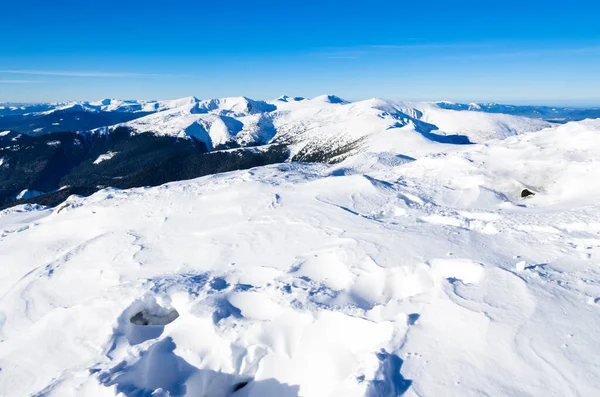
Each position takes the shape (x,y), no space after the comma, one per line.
(527,193)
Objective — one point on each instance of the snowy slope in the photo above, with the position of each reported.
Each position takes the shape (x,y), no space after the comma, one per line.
(383,275)
(322,125)
(214,122)
(478,126)
(326,128)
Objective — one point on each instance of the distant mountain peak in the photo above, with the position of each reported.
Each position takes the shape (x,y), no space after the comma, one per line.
(328,98)
(286,98)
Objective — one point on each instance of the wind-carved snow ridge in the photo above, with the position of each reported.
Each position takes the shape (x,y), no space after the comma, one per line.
(413,272)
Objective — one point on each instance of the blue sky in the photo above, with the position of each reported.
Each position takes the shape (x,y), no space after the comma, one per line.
(539,52)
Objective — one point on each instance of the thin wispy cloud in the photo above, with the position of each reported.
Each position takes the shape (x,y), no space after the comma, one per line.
(342,54)
(66,73)
(18,81)
(464,50)
(431,46)
(533,52)
(359,51)
(341,57)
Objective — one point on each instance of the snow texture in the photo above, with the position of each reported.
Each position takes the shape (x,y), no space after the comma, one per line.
(327,125)
(417,272)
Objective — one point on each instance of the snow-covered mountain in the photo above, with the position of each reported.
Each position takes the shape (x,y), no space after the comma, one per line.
(104,105)
(214,122)
(153,142)
(549,113)
(412,267)
(13,109)
(39,119)
(326,127)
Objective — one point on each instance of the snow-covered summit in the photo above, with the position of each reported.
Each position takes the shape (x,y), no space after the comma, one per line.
(213,121)
(285,98)
(330,99)
(323,125)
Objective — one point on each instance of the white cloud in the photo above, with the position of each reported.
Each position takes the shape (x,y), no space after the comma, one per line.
(79,73)
(18,81)
(426,46)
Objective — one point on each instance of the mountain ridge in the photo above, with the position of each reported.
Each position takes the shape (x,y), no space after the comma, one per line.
(325,129)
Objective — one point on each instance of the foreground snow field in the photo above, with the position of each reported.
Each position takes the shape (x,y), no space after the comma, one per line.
(391,273)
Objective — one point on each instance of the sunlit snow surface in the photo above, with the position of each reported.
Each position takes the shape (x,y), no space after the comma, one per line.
(326,124)
(384,275)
